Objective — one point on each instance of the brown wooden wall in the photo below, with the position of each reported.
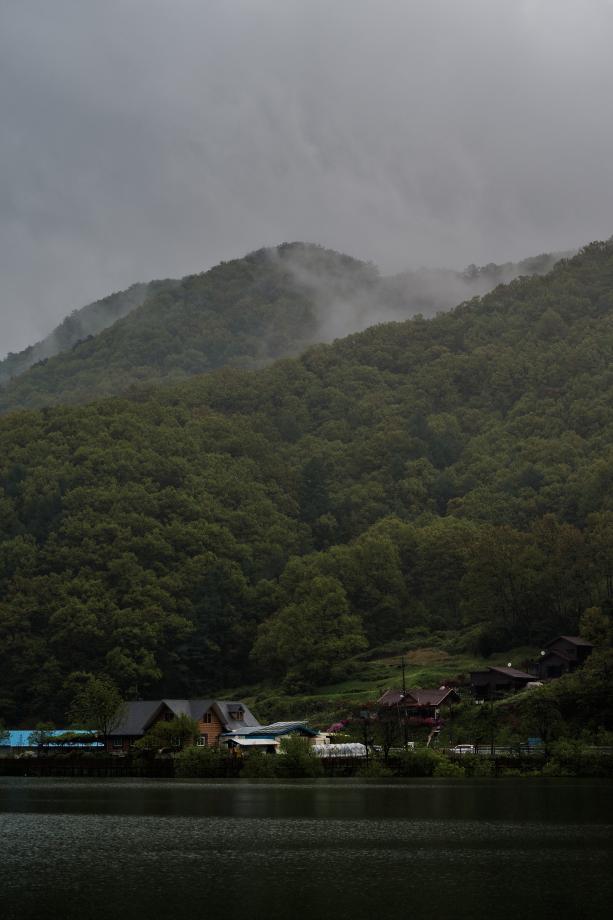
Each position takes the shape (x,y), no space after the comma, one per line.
(211,729)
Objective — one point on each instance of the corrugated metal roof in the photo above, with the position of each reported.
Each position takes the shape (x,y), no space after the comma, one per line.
(253,742)
(275,729)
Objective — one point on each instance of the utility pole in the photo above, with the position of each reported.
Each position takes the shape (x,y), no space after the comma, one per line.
(404,711)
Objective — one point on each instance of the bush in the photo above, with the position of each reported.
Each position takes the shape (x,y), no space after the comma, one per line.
(480,766)
(571,758)
(258,765)
(420,762)
(375,770)
(297,758)
(447,768)
(197,762)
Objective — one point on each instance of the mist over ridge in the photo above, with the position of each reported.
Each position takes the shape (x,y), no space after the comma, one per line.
(234,526)
(272,303)
(149,139)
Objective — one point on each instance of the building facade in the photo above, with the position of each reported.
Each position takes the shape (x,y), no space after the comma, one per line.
(213,717)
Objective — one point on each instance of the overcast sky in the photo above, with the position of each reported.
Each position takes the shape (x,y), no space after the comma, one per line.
(148,138)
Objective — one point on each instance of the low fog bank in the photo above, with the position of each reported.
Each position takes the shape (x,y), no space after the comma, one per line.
(345,295)
(352,295)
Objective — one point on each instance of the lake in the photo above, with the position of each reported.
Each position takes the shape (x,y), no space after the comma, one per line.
(316,849)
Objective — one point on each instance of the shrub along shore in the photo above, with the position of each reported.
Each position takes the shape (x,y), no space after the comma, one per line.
(563,759)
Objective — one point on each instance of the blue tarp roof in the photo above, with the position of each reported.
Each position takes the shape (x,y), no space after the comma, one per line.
(21,738)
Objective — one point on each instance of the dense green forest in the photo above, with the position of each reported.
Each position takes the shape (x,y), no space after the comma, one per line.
(450,473)
(244,313)
(79,325)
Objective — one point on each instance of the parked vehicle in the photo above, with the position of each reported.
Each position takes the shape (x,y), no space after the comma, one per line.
(462,749)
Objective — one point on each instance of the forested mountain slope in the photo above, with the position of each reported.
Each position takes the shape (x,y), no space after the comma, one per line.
(79,325)
(245,313)
(446,473)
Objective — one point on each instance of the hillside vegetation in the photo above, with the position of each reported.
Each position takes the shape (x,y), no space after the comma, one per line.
(77,326)
(245,313)
(446,474)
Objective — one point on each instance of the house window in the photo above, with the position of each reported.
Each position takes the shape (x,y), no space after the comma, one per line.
(118,742)
(237,715)
(207,717)
(202,740)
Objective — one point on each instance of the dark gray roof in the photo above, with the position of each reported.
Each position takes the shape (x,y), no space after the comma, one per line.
(390,698)
(574,640)
(225,707)
(137,714)
(432,697)
(513,672)
(420,697)
(140,714)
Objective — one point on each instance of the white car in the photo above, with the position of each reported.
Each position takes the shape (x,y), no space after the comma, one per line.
(462,749)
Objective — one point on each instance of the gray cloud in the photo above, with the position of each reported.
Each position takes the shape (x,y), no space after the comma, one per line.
(148,138)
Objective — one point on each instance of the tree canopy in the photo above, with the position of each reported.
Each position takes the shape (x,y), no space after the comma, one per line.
(442,473)
(245,313)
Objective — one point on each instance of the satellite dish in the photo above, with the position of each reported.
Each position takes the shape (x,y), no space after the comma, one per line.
(509,664)
(542,653)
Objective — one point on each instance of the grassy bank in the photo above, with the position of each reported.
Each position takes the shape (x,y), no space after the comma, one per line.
(432,665)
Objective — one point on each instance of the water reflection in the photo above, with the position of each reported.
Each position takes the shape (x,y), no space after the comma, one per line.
(305,849)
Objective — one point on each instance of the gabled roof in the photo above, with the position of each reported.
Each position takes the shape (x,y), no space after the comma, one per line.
(391,698)
(432,697)
(513,672)
(417,697)
(137,714)
(574,640)
(141,714)
(225,707)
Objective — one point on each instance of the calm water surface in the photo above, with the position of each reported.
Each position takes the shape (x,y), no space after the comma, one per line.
(341,849)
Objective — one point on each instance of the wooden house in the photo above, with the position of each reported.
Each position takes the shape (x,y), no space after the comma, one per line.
(562,656)
(214,717)
(492,683)
(416,706)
